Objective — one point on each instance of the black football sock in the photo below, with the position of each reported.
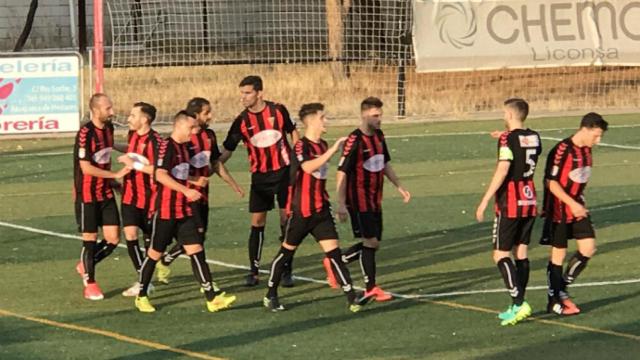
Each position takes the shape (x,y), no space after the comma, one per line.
(256,239)
(99,245)
(86,256)
(522,270)
(550,291)
(353,253)
(283,256)
(368,266)
(557,283)
(576,264)
(203,274)
(146,273)
(341,272)
(510,277)
(135,254)
(104,252)
(147,242)
(172,254)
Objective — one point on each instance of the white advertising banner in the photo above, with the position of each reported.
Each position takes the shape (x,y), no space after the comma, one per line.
(39,93)
(477,34)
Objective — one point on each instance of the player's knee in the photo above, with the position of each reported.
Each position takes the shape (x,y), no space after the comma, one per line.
(192,249)
(131,234)
(154,254)
(499,255)
(520,253)
(589,252)
(258,219)
(372,243)
(557,255)
(89,236)
(288,246)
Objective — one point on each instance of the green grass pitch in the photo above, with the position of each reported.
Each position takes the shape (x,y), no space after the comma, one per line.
(432,246)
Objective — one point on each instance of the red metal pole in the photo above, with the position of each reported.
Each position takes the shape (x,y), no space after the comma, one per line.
(98,45)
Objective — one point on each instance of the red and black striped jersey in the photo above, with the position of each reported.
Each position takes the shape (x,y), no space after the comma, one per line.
(174,158)
(363,161)
(570,166)
(94,145)
(516,197)
(204,152)
(308,192)
(264,135)
(138,186)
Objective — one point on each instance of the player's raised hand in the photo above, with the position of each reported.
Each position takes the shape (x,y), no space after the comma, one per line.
(406,196)
(192,194)
(342,212)
(480,211)
(578,210)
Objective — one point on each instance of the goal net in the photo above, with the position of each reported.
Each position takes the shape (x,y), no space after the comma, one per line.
(334,51)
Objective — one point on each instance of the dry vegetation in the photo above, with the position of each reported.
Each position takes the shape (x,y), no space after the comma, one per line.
(437,95)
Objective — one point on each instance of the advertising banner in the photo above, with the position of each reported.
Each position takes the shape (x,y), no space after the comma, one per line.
(471,35)
(39,93)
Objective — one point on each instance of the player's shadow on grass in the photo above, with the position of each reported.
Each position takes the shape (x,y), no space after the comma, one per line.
(249,337)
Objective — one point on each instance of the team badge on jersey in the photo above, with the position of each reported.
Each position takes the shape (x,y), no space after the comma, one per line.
(82,153)
(374,163)
(103,156)
(266,138)
(201,159)
(181,171)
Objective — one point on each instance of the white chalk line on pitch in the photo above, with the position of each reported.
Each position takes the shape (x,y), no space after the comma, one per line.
(316,281)
(395,136)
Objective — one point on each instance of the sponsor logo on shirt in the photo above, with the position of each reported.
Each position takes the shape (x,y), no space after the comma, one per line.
(138,158)
(321,173)
(181,171)
(580,175)
(201,159)
(529,141)
(103,156)
(374,163)
(266,138)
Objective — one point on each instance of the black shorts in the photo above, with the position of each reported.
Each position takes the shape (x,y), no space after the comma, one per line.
(263,192)
(558,234)
(184,230)
(201,214)
(321,225)
(133,216)
(90,216)
(509,232)
(366,225)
